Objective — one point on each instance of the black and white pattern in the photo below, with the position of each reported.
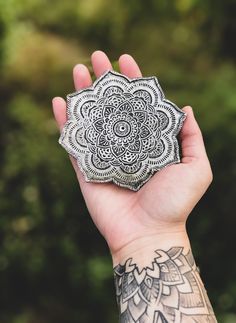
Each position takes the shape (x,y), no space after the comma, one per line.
(122,130)
(169,291)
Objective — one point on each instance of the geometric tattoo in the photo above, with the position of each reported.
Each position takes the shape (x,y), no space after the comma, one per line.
(170,290)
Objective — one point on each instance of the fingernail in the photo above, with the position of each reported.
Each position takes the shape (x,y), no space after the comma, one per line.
(79,66)
(187,107)
(54,99)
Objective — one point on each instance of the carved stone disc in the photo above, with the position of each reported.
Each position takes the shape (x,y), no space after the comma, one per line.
(122,130)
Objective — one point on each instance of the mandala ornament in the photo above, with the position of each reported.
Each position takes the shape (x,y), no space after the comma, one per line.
(122,130)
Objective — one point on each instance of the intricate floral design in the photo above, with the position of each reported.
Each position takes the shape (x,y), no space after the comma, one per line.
(168,291)
(122,130)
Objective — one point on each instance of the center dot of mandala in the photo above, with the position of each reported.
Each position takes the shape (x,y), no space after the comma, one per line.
(121,128)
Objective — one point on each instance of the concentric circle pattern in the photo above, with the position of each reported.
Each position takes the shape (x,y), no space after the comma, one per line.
(122,130)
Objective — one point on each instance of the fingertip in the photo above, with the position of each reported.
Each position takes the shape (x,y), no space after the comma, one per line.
(96,53)
(58,106)
(190,117)
(187,109)
(191,138)
(190,125)
(79,67)
(128,66)
(100,62)
(59,111)
(57,99)
(54,100)
(125,57)
(81,76)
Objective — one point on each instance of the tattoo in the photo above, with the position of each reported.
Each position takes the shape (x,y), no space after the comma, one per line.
(170,290)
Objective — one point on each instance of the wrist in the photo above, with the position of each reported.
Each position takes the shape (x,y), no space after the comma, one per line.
(142,249)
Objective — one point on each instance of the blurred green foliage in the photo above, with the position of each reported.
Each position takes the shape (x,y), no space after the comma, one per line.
(54,265)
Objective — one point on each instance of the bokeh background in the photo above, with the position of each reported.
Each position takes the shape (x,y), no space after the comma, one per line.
(54,265)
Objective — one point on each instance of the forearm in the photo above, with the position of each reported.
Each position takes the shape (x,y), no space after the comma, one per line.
(157,280)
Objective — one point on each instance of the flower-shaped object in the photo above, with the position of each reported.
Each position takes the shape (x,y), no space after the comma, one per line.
(122,130)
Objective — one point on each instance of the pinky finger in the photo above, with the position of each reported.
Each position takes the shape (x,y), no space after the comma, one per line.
(59,111)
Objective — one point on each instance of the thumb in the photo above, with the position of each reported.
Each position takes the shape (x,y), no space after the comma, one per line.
(191,138)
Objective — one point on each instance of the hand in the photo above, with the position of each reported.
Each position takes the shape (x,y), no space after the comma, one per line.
(162,205)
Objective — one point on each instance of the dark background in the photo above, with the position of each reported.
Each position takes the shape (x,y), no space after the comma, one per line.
(54,265)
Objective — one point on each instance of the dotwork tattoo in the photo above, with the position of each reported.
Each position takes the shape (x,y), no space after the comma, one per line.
(170,290)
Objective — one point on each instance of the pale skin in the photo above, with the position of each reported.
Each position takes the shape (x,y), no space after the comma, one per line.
(135,224)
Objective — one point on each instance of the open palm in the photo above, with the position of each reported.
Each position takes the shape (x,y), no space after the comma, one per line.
(166,200)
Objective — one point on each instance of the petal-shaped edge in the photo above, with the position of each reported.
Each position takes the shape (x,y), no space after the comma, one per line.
(69,131)
(75,102)
(91,174)
(130,181)
(169,157)
(175,115)
(105,81)
(179,115)
(112,175)
(150,85)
